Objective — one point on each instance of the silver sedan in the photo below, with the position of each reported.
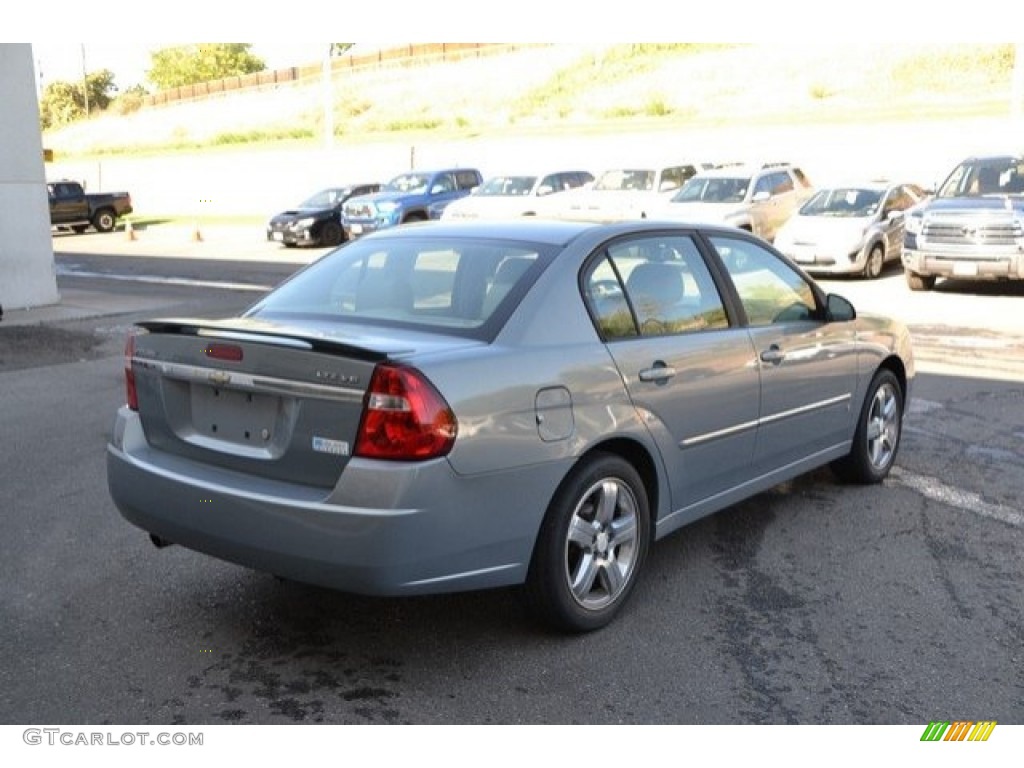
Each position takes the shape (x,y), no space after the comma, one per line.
(850,228)
(447,407)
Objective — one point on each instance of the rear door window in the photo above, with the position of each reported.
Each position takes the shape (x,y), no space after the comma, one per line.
(653,286)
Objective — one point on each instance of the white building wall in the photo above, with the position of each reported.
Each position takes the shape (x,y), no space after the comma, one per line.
(27,277)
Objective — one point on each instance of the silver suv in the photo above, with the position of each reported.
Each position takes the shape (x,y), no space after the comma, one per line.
(756,198)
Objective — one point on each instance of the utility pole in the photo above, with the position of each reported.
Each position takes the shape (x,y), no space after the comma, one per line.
(328,98)
(1017,85)
(85,82)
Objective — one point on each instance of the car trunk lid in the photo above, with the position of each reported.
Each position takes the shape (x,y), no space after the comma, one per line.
(260,397)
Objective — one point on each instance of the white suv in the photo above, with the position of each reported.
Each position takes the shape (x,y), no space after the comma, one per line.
(756,198)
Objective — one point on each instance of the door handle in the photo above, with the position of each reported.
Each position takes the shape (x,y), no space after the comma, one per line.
(659,373)
(773,355)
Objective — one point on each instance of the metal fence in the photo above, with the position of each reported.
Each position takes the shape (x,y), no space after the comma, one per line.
(414,54)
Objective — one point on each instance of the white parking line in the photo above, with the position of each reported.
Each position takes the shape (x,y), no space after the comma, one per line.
(936,490)
(256,287)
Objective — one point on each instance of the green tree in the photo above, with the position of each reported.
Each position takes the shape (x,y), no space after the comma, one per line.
(63,102)
(200,63)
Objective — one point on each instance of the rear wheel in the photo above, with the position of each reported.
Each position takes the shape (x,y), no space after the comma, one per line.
(878,433)
(875,263)
(104,220)
(591,546)
(920,282)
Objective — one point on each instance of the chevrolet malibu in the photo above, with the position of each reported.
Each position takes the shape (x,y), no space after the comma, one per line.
(447,407)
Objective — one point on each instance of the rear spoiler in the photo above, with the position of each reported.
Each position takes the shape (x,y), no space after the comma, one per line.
(281,336)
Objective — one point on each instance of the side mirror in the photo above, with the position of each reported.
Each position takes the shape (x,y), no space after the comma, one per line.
(760,197)
(839,309)
(544,189)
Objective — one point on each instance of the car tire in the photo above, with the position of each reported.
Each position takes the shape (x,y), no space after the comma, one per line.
(920,282)
(332,234)
(876,262)
(877,437)
(591,546)
(104,220)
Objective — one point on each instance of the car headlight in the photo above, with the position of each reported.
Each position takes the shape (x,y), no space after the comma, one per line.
(913,222)
(388,207)
(304,223)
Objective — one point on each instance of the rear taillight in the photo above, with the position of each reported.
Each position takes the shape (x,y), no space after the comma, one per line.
(404,417)
(129,374)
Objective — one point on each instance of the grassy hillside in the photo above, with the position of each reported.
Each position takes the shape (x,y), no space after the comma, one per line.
(578,88)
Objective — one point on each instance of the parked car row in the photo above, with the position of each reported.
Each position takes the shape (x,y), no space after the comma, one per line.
(853,228)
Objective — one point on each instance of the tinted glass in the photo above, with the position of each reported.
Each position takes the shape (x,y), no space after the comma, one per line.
(507,186)
(987,176)
(409,182)
(770,290)
(627,179)
(842,202)
(653,287)
(713,190)
(430,283)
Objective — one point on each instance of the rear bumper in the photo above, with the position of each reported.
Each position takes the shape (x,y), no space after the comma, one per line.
(386,528)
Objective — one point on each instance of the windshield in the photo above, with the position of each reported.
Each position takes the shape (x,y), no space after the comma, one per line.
(626,180)
(987,176)
(713,190)
(442,284)
(507,186)
(325,198)
(843,202)
(407,183)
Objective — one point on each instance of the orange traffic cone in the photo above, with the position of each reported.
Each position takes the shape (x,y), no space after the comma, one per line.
(197,235)
(129,230)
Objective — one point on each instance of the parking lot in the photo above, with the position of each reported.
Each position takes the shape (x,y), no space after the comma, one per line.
(811,603)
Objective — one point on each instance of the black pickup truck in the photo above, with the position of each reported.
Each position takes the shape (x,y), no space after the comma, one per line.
(72,208)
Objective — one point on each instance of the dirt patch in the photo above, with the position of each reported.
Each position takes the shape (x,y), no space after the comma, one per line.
(32,346)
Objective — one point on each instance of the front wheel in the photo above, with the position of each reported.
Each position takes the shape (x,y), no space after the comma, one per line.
(332,234)
(878,433)
(104,220)
(920,282)
(875,262)
(591,547)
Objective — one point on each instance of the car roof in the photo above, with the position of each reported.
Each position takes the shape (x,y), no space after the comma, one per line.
(546,231)
(742,169)
(863,184)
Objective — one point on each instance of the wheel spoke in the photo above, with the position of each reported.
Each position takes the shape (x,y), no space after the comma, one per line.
(875,428)
(583,579)
(623,531)
(581,532)
(608,500)
(612,578)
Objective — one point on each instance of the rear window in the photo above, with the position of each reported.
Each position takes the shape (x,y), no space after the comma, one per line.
(454,285)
